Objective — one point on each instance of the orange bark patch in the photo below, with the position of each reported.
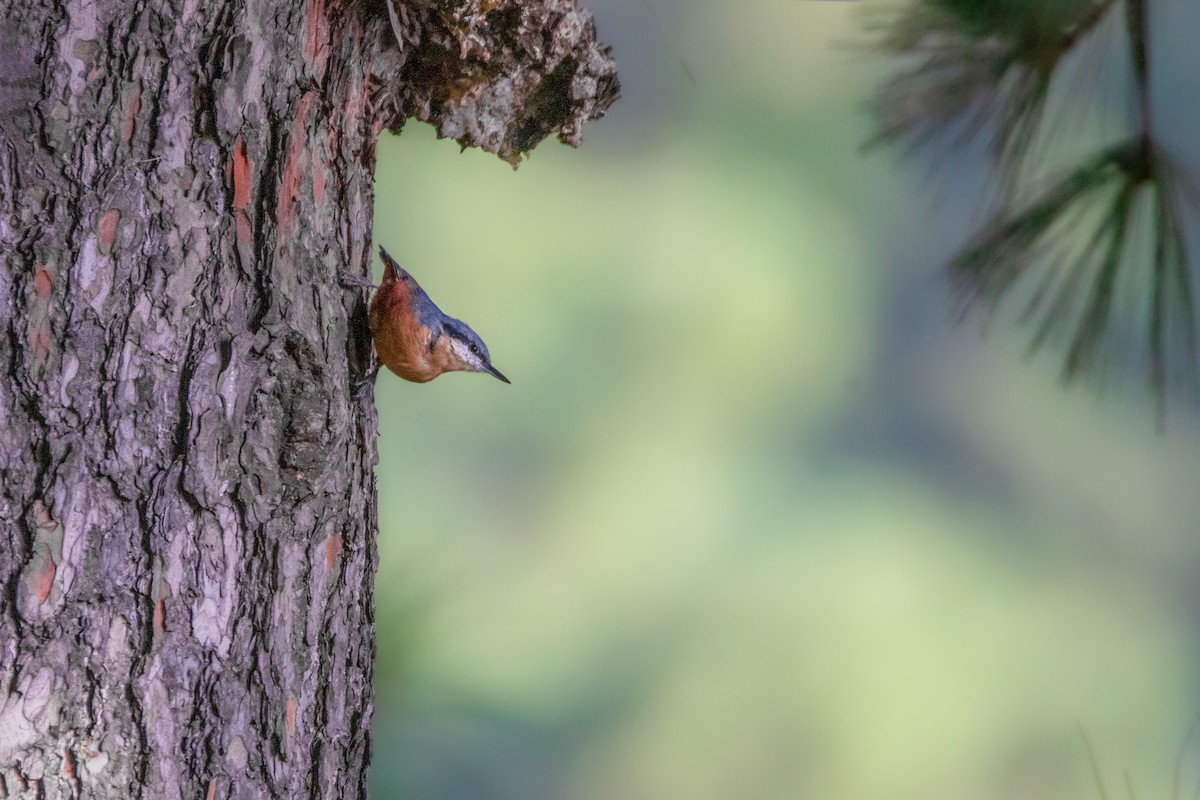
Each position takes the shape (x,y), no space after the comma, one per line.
(212,790)
(333,549)
(160,619)
(108,229)
(291,715)
(316,37)
(294,165)
(133,106)
(243,181)
(41,283)
(43,582)
(241,168)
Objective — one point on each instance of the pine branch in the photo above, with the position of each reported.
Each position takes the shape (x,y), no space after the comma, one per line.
(1139,32)
(1106,242)
(981,72)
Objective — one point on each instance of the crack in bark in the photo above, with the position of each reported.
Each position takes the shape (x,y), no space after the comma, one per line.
(141,758)
(183,412)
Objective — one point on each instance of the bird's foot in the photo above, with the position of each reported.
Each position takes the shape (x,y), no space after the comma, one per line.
(357,281)
(360,387)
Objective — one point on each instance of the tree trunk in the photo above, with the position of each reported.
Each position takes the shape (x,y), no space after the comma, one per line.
(187,502)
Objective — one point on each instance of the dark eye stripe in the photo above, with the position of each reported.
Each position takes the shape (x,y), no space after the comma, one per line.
(456,332)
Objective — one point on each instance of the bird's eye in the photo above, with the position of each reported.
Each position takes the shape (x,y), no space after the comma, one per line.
(475,349)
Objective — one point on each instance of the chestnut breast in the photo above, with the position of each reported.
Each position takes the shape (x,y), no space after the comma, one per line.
(401,337)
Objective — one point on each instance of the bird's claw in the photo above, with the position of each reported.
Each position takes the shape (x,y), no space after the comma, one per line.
(357,281)
(360,386)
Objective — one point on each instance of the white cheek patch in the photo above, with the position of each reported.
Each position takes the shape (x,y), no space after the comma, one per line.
(463,352)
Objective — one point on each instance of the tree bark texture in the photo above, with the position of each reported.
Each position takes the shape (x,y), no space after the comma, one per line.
(187,505)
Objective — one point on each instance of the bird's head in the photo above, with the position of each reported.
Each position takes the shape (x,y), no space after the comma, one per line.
(466,351)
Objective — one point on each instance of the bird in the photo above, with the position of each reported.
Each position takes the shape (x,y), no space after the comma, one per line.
(414,338)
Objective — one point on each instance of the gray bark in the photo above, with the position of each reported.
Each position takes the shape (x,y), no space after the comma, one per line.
(187,504)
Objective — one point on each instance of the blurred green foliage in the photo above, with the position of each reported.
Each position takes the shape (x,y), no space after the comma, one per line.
(753,520)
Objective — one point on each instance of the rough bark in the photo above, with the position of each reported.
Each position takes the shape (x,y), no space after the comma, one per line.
(187,505)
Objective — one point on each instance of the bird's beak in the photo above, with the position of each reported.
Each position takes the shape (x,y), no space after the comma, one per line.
(498,373)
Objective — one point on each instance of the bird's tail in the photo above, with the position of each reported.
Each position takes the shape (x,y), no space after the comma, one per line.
(391,270)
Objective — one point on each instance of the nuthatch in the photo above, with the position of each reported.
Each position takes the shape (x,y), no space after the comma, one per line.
(414,339)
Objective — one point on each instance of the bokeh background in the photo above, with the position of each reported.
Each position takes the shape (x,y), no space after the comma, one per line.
(756,518)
